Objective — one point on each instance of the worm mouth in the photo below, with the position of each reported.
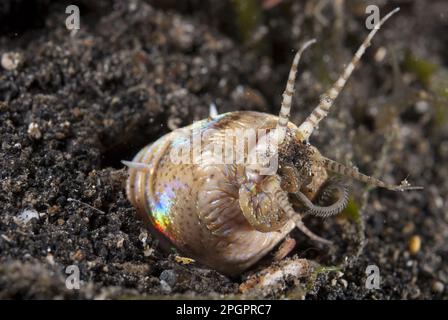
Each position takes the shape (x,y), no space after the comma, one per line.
(331,199)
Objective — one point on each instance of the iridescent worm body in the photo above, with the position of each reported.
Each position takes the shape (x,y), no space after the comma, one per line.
(228,216)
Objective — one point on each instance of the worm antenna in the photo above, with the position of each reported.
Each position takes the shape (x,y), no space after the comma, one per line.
(326,191)
(353,173)
(271,141)
(327,99)
(285,109)
(275,189)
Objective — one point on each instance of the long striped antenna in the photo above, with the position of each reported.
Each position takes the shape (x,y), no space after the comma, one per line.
(267,147)
(327,99)
(339,168)
(285,110)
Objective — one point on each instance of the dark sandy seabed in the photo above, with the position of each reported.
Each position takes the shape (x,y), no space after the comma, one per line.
(72,107)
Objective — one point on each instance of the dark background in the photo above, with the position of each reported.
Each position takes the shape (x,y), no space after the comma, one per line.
(138,69)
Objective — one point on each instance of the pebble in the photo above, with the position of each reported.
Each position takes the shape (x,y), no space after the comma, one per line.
(422,106)
(408,228)
(143,237)
(11,60)
(50,258)
(415,292)
(165,287)
(34,131)
(148,251)
(26,215)
(438,287)
(169,276)
(380,54)
(120,243)
(415,244)
(53,210)
(78,255)
(6,238)
(344,283)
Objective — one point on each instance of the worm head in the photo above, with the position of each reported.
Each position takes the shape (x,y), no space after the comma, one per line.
(300,167)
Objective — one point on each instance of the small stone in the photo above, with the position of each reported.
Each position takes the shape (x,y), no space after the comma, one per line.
(78,255)
(53,210)
(50,258)
(408,228)
(380,54)
(422,106)
(11,60)
(438,287)
(396,255)
(406,255)
(165,287)
(6,238)
(173,123)
(34,131)
(426,268)
(143,237)
(169,276)
(415,244)
(26,216)
(333,282)
(120,243)
(344,283)
(415,292)
(148,251)
(438,201)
